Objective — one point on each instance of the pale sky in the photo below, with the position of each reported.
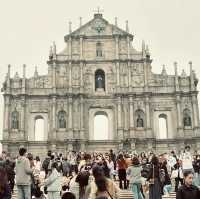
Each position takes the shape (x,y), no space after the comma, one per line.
(171,28)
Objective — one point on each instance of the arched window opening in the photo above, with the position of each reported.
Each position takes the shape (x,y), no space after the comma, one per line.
(99,80)
(187,120)
(139,119)
(99,52)
(15,119)
(101,126)
(61,119)
(39,129)
(163,130)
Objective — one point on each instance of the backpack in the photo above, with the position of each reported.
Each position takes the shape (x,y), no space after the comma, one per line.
(162,175)
(45,163)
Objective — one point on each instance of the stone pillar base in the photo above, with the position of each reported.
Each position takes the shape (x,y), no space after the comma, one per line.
(132,132)
(149,133)
(5,147)
(133,145)
(120,134)
(53,147)
(70,147)
(180,133)
(120,147)
(82,147)
(70,133)
(197,131)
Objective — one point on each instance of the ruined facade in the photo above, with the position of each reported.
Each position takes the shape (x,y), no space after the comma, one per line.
(100,73)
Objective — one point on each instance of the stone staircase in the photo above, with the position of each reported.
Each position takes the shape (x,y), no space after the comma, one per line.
(172,195)
(123,195)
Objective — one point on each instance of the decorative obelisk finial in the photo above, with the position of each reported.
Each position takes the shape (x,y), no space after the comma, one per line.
(116,21)
(70,26)
(80,20)
(127,28)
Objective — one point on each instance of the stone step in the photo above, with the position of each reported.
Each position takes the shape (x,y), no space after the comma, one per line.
(126,194)
(171,196)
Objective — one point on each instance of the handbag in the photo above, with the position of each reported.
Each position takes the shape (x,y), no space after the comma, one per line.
(174,174)
(152,180)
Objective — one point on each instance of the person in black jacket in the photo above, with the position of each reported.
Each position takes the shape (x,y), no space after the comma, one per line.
(187,190)
(5,192)
(155,187)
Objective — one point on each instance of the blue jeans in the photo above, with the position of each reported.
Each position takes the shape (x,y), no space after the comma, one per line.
(196,180)
(23,192)
(167,189)
(136,191)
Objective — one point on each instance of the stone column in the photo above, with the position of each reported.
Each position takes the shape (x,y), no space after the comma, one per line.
(81,47)
(82,136)
(195,114)
(24,135)
(117,75)
(53,137)
(148,121)
(131,112)
(24,80)
(70,48)
(116,47)
(179,117)
(6,124)
(54,78)
(119,118)
(70,117)
(81,74)
(145,76)
(70,77)
(8,80)
(128,47)
(129,77)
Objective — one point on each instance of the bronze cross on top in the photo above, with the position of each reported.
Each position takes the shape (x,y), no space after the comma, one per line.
(98,10)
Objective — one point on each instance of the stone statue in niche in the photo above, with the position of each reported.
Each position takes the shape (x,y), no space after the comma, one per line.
(99,82)
(15,120)
(187,120)
(140,122)
(61,119)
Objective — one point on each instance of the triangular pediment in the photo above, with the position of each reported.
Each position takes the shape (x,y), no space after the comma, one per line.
(96,27)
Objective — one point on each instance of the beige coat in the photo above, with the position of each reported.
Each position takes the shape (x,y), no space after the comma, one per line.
(112,188)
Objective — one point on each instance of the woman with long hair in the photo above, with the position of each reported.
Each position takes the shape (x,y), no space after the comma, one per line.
(5,192)
(82,179)
(103,186)
(135,179)
(154,179)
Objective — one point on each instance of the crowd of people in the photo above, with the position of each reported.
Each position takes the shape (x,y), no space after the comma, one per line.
(81,175)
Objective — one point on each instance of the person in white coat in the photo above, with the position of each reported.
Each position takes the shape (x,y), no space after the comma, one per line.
(53,183)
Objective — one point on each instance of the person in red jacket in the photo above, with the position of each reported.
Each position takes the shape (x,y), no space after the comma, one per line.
(187,190)
(122,166)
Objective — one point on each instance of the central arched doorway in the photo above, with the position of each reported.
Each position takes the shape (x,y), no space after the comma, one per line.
(101,131)
(39,129)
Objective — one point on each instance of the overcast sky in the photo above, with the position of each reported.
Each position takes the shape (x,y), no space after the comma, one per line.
(171,28)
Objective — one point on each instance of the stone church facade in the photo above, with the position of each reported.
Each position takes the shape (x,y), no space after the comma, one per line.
(100,73)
